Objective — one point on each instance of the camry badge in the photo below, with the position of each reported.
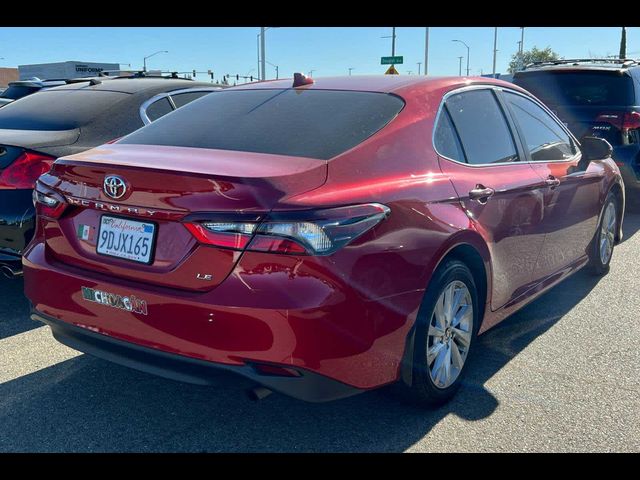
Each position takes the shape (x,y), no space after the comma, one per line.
(114,186)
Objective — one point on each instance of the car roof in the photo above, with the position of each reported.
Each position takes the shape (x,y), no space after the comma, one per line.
(131,85)
(589,64)
(401,85)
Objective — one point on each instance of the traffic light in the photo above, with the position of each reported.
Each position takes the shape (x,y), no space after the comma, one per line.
(194,74)
(210,74)
(251,77)
(237,76)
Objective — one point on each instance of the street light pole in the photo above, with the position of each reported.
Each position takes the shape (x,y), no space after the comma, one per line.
(311,73)
(468,50)
(262,54)
(426,51)
(393,42)
(460,65)
(495,49)
(275,66)
(351,68)
(144,62)
(261,42)
(419,64)
(521,40)
(258,50)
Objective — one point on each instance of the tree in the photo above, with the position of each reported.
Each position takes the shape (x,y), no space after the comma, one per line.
(519,60)
(623,43)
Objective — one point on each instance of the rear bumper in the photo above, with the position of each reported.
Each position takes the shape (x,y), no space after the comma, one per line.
(311,320)
(308,386)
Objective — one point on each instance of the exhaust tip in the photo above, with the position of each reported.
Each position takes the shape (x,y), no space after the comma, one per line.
(9,272)
(258,393)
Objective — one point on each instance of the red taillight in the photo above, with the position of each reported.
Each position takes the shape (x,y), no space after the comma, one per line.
(264,243)
(625,121)
(48,203)
(226,235)
(25,170)
(318,232)
(631,121)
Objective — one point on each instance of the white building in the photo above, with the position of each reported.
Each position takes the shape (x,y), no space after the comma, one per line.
(64,70)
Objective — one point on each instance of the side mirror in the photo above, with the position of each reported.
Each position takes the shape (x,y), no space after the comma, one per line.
(594,148)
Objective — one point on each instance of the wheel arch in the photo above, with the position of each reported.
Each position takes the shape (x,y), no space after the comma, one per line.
(470,248)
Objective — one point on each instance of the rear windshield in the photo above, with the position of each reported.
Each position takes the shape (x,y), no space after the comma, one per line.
(305,123)
(579,88)
(57,109)
(15,92)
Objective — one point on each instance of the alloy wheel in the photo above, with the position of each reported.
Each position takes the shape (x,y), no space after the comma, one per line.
(607,233)
(449,335)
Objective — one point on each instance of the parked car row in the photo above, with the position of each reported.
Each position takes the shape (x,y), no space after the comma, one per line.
(321,238)
(66,120)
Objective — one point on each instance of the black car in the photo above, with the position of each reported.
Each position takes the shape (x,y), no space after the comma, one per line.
(598,98)
(64,120)
(22,88)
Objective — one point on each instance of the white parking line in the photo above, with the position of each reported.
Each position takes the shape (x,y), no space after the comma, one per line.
(29,352)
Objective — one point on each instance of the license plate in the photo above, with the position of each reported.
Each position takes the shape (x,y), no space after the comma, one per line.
(128,239)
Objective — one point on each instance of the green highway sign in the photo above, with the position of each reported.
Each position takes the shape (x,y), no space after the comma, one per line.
(392,60)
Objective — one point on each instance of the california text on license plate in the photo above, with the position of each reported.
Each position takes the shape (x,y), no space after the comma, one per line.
(128,239)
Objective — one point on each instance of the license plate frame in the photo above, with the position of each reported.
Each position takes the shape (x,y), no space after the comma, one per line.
(152,247)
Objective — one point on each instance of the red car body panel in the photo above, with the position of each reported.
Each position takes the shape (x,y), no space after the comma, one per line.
(346,316)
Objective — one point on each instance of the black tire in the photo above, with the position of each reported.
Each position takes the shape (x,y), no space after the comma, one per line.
(596,264)
(423,391)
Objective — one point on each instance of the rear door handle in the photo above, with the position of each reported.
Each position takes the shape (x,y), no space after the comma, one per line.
(481,193)
(552,181)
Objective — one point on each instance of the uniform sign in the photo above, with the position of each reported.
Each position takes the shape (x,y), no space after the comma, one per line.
(391,71)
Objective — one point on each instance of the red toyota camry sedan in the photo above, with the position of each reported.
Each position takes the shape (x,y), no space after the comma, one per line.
(321,238)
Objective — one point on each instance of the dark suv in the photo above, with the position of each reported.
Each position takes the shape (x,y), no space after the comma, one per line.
(597,98)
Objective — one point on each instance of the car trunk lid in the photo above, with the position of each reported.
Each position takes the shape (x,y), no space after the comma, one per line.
(164,185)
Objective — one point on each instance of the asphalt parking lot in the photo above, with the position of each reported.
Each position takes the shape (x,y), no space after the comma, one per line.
(563,374)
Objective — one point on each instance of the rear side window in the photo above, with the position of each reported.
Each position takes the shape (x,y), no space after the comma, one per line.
(446,139)
(544,138)
(181,99)
(307,123)
(57,109)
(579,88)
(159,109)
(15,92)
(483,129)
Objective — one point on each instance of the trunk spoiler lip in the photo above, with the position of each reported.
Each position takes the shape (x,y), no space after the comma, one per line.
(152,157)
(218,176)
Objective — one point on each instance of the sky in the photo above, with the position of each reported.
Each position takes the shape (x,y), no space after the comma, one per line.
(326,51)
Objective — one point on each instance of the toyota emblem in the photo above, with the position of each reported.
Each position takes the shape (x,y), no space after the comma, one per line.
(114,186)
